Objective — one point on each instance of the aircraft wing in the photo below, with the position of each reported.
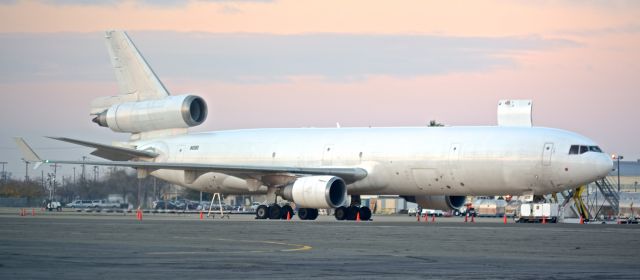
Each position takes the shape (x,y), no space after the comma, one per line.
(109,152)
(349,174)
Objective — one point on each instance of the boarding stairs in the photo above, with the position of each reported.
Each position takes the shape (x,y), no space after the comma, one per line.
(591,207)
(610,194)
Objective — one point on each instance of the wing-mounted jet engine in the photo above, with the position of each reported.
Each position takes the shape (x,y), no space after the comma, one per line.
(438,202)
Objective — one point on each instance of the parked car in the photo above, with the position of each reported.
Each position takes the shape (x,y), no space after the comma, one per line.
(104,204)
(80,204)
(163,204)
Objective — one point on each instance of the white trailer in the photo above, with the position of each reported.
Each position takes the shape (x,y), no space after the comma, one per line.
(537,213)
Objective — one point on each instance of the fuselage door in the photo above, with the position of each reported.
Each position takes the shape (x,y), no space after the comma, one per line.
(546,154)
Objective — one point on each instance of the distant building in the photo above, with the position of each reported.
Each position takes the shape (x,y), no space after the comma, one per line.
(629,176)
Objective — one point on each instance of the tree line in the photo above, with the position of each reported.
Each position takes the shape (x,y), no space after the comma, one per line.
(117,182)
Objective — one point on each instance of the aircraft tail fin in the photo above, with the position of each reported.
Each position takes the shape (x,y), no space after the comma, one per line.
(136,79)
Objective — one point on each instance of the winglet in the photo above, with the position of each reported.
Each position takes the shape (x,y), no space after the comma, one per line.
(28,153)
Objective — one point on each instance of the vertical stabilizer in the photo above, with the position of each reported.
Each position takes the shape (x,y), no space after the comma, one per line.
(136,80)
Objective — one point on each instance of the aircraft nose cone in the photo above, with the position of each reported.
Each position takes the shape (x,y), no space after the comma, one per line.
(604,166)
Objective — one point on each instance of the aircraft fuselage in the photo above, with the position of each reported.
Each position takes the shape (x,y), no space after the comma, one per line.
(399,161)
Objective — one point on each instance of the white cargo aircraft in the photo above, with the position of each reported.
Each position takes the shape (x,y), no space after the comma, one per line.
(435,167)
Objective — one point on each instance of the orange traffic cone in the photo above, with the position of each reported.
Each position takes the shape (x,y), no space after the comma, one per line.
(201,215)
(544,219)
(504,219)
(289,215)
(358,216)
(581,220)
(433,218)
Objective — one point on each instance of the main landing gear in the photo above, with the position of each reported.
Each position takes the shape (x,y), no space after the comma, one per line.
(274,212)
(351,213)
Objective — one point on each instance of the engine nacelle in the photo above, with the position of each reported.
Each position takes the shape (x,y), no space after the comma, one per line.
(180,111)
(438,202)
(316,192)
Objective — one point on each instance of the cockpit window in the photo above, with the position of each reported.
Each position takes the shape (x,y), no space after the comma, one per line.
(595,149)
(579,149)
(584,149)
(574,150)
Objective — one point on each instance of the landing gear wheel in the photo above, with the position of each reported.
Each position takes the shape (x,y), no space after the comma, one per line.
(352,211)
(262,212)
(287,209)
(365,213)
(307,213)
(314,214)
(275,212)
(341,213)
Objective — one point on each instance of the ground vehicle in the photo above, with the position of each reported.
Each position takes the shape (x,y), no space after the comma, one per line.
(162,204)
(80,204)
(104,204)
(50,205)
(537,213)
(429,212)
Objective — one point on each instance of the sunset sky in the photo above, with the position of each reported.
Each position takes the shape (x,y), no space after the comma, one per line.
(294,63)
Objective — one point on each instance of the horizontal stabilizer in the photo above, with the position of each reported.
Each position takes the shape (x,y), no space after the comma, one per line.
(28,154)
(109,152)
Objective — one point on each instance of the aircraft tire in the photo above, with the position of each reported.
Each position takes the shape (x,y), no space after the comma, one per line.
(275,212)
(352,211)
(303,213)
(340,213)
(314,213)
(365,213)
(286,209)
(262,212)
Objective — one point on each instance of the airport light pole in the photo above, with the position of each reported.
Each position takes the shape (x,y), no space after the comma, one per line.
(55,175)
(4,175)
(26,170)
(618,158)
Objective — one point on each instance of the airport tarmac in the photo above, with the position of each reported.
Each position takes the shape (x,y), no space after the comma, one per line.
(73,245)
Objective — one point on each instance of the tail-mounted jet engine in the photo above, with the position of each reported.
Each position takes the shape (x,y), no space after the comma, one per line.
(181,111)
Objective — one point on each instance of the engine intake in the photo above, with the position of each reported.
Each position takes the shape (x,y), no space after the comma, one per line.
(180,111)
(438,202)
(316,192)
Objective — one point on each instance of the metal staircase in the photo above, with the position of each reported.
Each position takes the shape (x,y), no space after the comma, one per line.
(610,194)
(592,207)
